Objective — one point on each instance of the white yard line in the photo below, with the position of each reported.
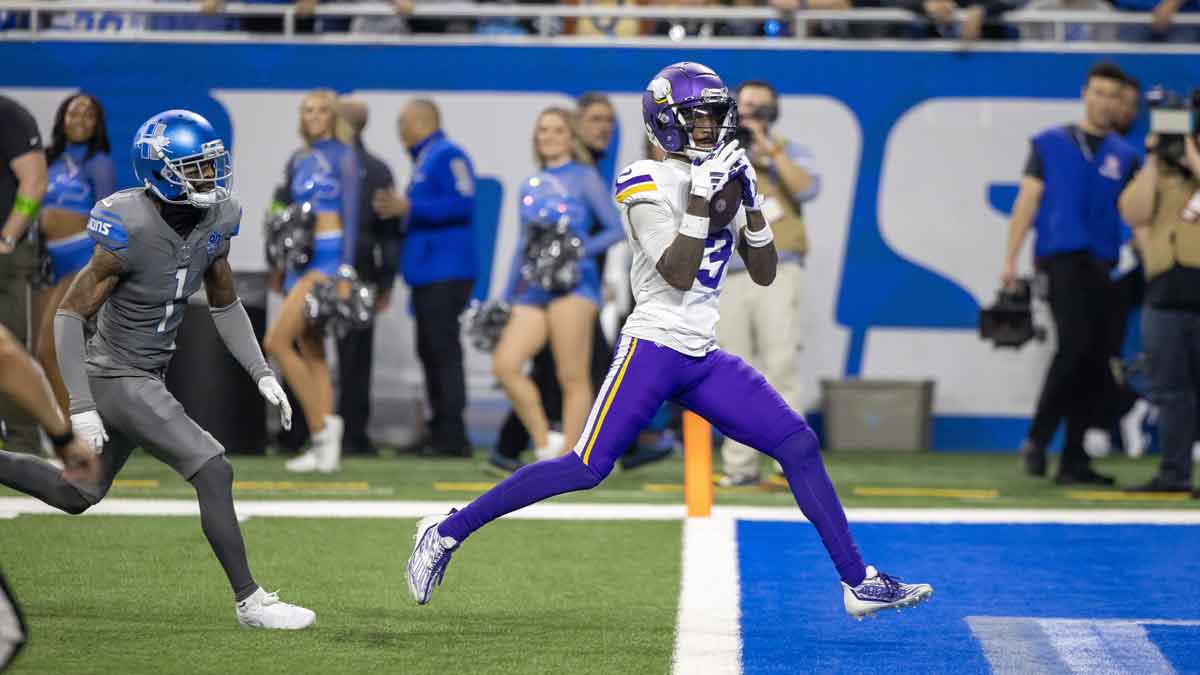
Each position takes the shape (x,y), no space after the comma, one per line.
(708,640)
(13,506)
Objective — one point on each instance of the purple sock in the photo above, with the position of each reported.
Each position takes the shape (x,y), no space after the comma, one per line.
(530,484)
(800,458)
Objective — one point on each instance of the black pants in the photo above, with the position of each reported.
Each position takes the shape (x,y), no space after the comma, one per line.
(354,389)
(1119,397)
(1081,300)
(437,307)
(514,437)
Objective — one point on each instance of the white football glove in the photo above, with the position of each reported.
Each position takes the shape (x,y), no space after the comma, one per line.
(745,173)
(271,390)
(711,174)
(88,427)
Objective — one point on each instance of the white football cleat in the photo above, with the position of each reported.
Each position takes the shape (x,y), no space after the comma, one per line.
(555,442)
(878,592)
(326,452)
(430,556)
(266,610)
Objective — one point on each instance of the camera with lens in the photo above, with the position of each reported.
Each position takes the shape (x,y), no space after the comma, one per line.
(1009,322)
(766,113)
(1172,117)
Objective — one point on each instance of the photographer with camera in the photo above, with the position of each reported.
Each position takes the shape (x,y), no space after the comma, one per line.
(763,325)
(1162,204)
(1068,194)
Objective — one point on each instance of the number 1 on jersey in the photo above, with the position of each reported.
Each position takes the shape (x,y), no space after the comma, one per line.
(180,277)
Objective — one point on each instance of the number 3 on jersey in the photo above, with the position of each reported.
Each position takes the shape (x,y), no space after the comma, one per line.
(717,249)
(169,308)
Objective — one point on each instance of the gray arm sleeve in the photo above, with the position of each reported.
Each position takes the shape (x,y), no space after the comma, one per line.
(68,343)
(238,335)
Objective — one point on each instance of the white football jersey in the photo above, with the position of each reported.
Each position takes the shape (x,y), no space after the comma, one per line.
(653,197)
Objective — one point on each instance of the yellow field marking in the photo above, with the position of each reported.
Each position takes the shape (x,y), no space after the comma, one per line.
(864,491)
(131,483)
(1110,496)
(676,488)
(463,487)
(663,488)
(305,486)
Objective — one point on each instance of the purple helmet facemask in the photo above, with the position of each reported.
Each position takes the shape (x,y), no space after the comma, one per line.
(672,100)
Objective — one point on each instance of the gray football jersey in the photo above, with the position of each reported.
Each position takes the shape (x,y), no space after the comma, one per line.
(160,270)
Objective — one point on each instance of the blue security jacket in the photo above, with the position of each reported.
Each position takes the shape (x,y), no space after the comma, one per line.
(439,245)
(1078,211)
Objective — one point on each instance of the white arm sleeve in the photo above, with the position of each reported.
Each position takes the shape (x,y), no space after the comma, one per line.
(654,227)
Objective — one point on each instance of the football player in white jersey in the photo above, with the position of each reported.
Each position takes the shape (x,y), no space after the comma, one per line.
(684,216)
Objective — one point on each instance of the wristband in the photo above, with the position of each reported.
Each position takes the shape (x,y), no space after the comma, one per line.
(25,206)
(694,226)
(60,442)
(758,238)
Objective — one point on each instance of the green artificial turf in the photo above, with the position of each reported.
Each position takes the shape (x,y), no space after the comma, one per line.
(145,595)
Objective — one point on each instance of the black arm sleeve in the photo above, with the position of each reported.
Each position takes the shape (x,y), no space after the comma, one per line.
(18,131)
(1033,165)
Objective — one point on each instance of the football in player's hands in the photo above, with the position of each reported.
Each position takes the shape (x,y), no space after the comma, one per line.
(724,205)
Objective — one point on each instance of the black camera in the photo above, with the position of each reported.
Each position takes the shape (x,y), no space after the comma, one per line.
(1009,322)
(1172,117)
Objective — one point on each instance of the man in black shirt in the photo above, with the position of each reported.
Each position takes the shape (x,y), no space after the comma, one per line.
(22,186)
(375,262)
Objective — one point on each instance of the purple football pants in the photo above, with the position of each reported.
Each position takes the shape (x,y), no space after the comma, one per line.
(719,387)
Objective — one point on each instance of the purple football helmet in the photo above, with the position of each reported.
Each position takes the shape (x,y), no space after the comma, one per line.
(672,99)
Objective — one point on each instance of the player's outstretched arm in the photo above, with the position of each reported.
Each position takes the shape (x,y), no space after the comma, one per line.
(760,260)
(233,325)
(681,260)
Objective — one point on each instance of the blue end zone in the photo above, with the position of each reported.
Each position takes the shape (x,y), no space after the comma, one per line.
(793,621)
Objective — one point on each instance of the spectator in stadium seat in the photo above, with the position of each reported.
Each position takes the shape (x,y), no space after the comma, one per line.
(980,18)
(438,263)
(1071,32)
(23,182)
(305,22)
(1162,27)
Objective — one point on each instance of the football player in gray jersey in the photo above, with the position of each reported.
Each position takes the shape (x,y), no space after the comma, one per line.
(155,246)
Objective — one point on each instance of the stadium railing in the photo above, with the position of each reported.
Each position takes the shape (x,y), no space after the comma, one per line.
(548,16)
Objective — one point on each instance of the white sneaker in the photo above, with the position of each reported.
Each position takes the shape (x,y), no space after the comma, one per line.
(878,592)
(325,454)
(266,610)
(1133,433)
(555,442)
(1096,443)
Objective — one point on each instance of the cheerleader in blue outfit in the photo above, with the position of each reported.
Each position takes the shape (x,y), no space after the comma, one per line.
(80,172)
(325,174)
(565,319)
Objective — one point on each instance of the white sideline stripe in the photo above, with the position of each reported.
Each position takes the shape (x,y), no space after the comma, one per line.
(708,633)
(247,508)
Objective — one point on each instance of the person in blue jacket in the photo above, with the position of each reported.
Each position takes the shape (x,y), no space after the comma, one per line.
(438,263)
(1073,178)
(568,185)
(80,172)
(325,174)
